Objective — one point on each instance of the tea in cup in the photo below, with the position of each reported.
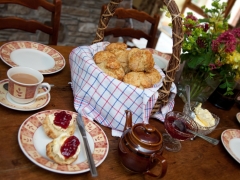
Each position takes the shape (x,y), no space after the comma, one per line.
(24,83)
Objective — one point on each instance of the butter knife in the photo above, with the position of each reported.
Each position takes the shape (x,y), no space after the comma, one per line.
(86,145)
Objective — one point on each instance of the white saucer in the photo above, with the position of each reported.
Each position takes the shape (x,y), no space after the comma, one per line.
(6,101)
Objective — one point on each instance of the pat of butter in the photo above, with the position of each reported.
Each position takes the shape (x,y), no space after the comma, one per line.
(198,121)
(204,117)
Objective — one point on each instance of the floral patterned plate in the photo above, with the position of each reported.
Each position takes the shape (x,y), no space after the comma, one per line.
(161,59)
(33,140)
(231,141)
(6,101)
(31,54)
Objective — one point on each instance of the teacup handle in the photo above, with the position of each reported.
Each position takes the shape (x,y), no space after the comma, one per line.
(45,92)
(162,162)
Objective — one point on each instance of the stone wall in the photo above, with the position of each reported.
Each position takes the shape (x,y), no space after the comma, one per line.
(79,20)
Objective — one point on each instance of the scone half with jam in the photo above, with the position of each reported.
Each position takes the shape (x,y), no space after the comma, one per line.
(58,123)
(63,149)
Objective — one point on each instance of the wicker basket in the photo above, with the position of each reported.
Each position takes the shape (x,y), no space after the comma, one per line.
(174,62)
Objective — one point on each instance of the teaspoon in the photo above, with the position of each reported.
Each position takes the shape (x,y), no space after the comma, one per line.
(191,113)
(181,126)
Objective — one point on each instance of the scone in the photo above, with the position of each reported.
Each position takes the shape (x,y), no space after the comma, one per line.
(63,149)
(122,57)
(58,123)
(203,116)
(138,79)
(112,47)
(101,56)
(112,68)
(154,75)
(140,60)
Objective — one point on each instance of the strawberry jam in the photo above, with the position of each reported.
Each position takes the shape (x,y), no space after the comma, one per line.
(70,146)
(62,119)
(175,131)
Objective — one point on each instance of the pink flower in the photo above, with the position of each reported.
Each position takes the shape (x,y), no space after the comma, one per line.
(215,45)
(190,21)
(218,63)
(191,16)
(205,27)
(236,32)
(201,42)
(212,66)
(226,40)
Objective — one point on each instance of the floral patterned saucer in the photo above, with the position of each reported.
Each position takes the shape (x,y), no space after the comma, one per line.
(161,59)
(6,101)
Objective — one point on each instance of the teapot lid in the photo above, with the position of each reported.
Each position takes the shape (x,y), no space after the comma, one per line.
(147,134)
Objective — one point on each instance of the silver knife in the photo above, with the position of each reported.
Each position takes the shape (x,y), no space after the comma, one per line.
(86,145)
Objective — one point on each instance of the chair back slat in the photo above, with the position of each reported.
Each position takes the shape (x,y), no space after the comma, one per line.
(141,16)
(30,25)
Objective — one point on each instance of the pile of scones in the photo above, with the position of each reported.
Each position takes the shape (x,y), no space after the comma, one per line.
(133,66)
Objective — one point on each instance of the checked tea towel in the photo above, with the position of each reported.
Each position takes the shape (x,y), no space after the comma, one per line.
(100,97)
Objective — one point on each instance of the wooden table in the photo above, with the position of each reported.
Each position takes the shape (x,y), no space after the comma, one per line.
(197,160)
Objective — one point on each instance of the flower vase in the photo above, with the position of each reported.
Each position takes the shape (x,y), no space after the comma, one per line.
(222,101)
(202,86)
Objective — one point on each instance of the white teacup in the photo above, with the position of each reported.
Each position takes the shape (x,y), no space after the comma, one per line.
(24,83)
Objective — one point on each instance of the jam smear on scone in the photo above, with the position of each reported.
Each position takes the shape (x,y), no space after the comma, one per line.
(62,119)
(70,146)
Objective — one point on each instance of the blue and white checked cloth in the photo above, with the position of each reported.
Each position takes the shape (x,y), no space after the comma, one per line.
(105,99)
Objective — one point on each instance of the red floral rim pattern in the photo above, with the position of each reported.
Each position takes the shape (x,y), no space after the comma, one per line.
(228,135)
(164,55)
(7,48)
(30,126)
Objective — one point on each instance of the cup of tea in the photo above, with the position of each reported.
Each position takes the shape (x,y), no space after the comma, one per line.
(24,83)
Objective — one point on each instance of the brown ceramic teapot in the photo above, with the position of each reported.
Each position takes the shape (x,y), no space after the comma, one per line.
(140,148)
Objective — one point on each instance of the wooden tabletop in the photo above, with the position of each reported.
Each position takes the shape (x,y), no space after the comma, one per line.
(197,159)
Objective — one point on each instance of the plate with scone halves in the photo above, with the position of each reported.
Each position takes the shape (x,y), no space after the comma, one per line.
(52,140)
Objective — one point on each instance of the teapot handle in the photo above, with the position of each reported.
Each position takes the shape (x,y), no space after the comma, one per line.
(128,123)
(161,162)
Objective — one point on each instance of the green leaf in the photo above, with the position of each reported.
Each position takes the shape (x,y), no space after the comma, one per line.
(223,86)
(238,48)
(195,61)
(185,57)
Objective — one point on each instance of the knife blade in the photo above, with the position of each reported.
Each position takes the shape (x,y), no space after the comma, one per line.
(91,162)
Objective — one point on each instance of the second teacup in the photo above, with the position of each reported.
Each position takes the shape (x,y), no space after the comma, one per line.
(24,83)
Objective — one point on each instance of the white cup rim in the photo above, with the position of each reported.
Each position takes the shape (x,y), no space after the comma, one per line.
(10,73)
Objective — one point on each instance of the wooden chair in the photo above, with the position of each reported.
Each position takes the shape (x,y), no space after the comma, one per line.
(141,16)
(34,25)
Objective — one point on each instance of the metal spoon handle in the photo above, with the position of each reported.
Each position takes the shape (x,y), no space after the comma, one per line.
(209,139)
(187,89)
(191,113)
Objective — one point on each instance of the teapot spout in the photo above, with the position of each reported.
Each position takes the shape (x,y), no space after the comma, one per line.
(128,123)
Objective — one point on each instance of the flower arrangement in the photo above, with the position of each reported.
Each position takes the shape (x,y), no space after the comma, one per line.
(211,48)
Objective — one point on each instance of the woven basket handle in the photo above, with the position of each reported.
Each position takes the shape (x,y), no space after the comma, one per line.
(174,62)
(104,19)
